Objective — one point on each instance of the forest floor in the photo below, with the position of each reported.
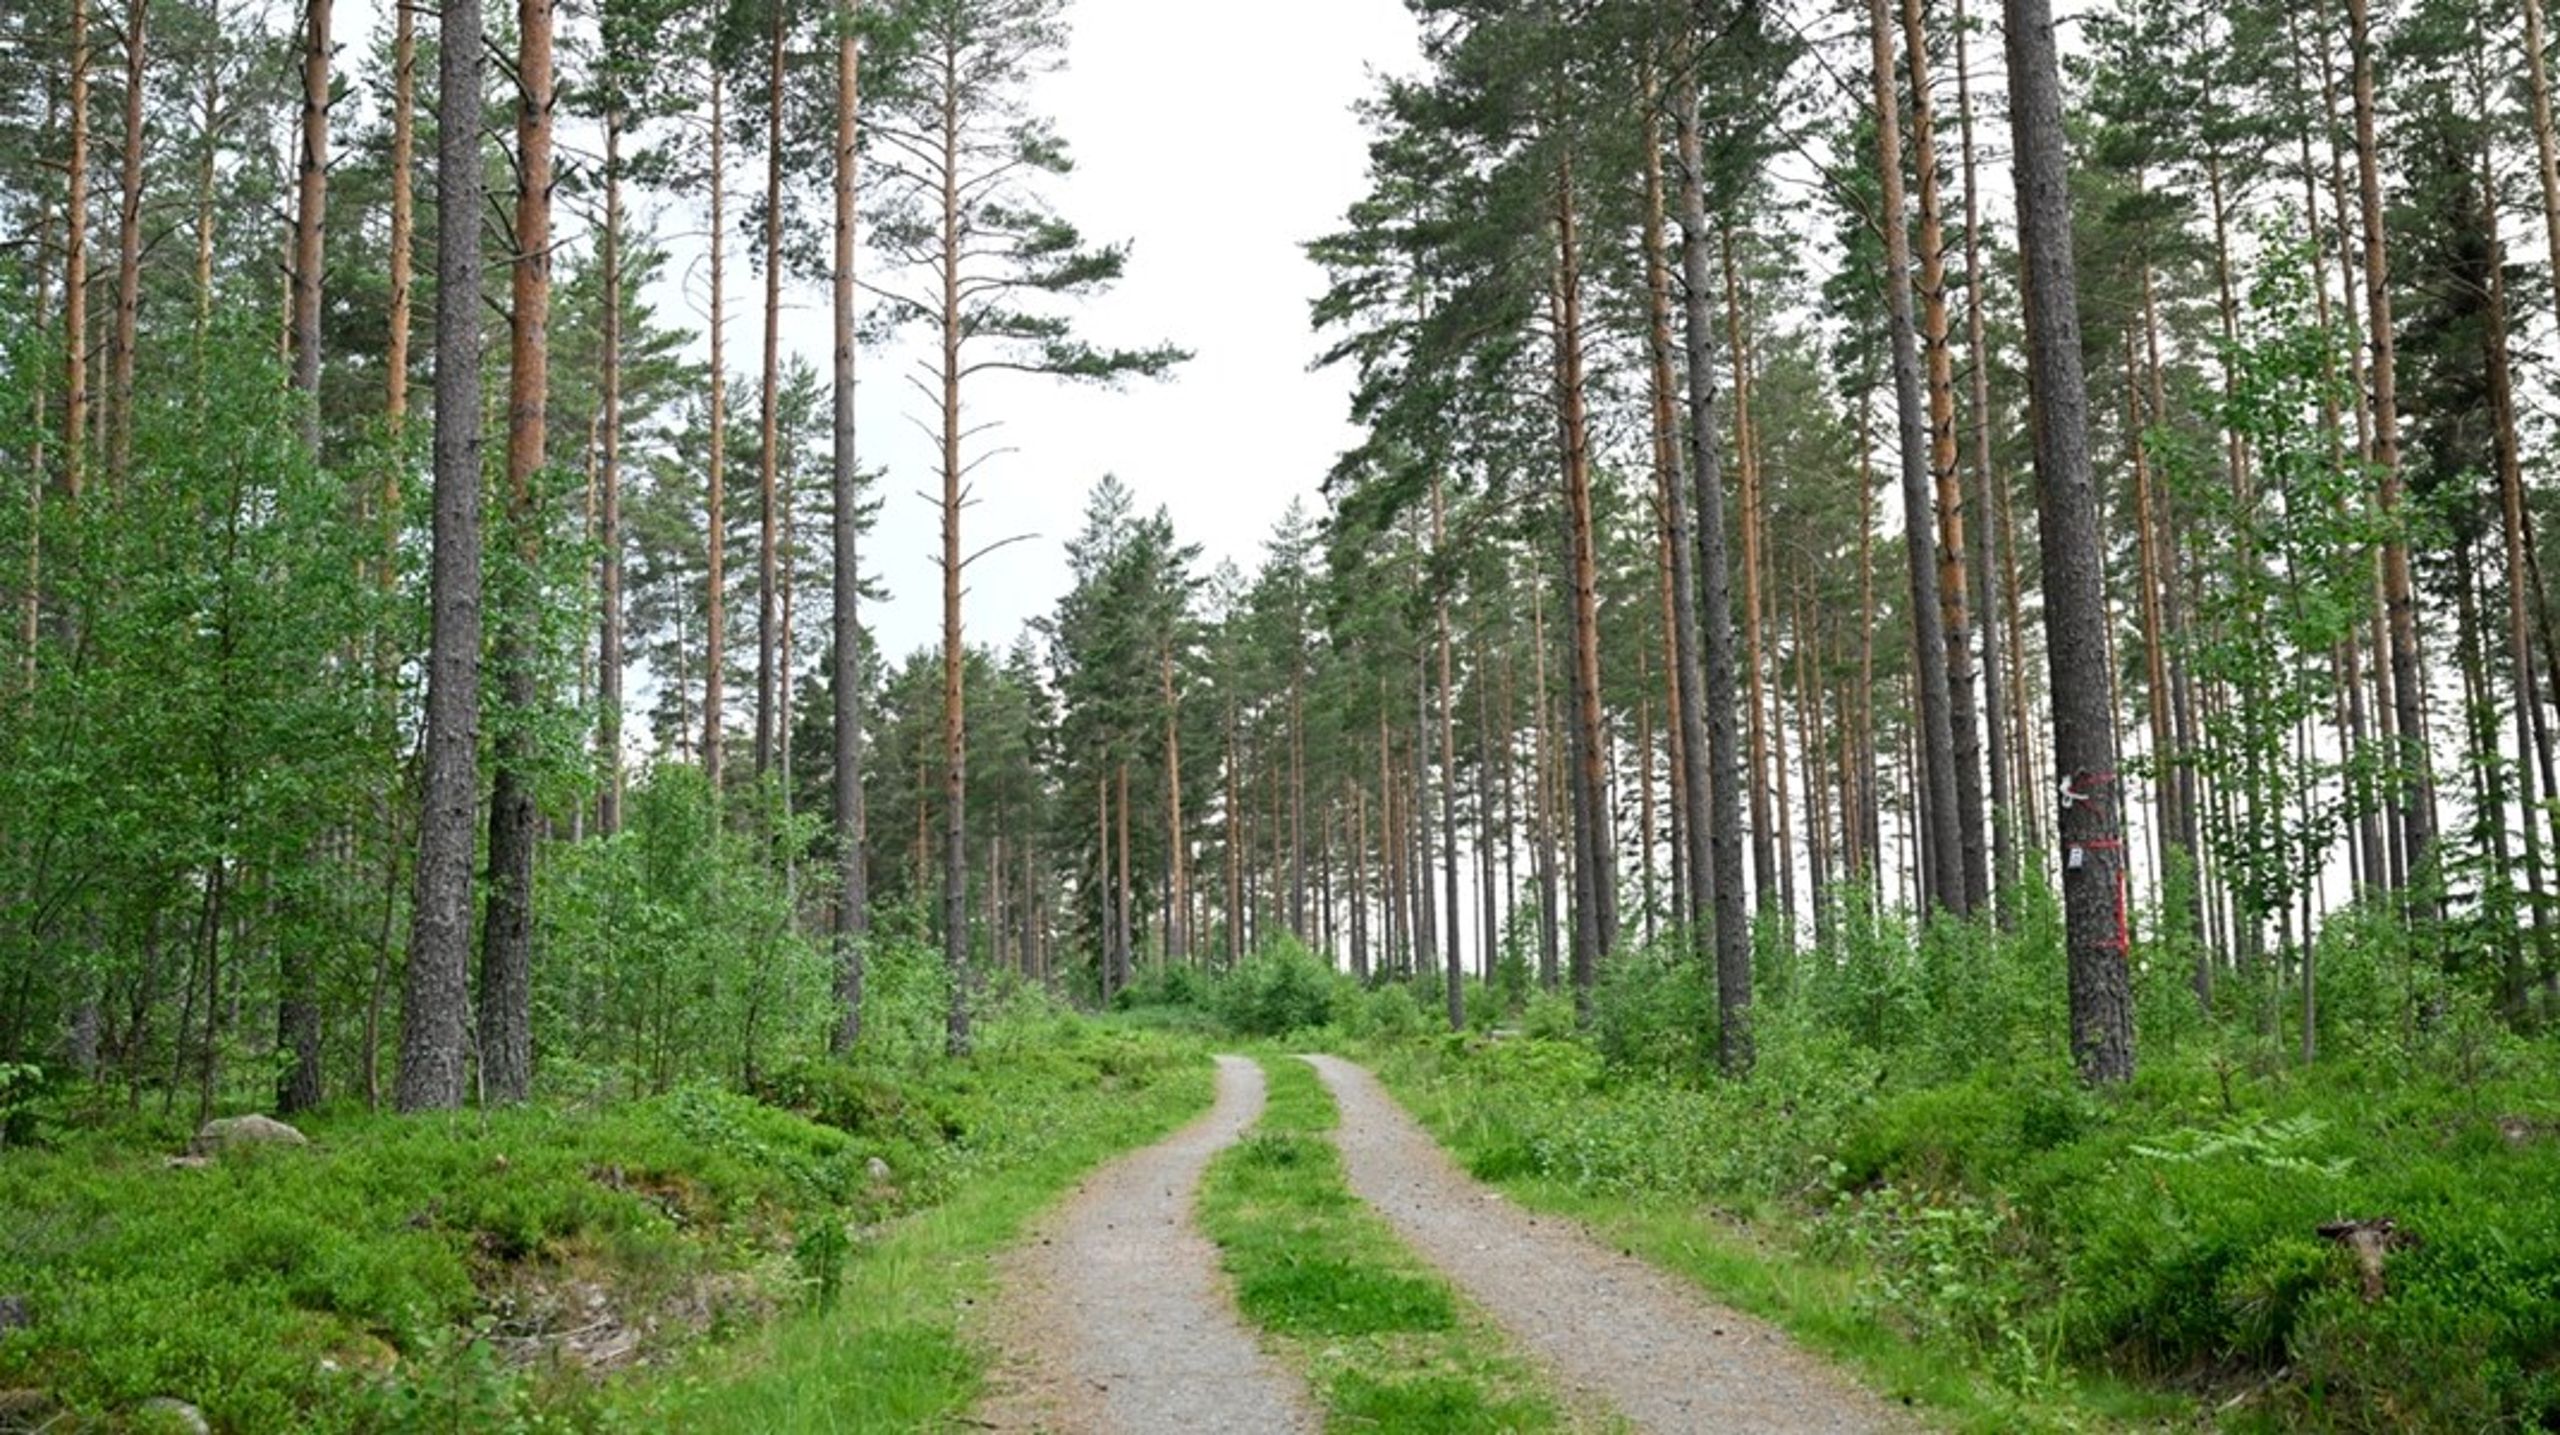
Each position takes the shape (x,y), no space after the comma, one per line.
(1113,1318)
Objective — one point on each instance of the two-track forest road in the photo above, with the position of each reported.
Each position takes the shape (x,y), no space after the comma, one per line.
(1114,1319)
(1611,1329)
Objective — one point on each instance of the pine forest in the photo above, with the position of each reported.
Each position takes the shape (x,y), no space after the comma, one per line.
(701,700)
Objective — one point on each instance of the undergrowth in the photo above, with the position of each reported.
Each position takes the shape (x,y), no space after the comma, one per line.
(546,1266)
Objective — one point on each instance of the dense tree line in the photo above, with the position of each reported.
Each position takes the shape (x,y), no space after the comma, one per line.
(2204,597)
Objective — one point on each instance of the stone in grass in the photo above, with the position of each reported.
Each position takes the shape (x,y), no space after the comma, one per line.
(220,1136)
(170,1417)
(15,1313)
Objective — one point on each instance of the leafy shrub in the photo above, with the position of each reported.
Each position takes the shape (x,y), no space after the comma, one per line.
(1388,1013)
(1282,990)
(1655,1012)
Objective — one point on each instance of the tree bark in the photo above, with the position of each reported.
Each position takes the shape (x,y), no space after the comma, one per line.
(2408,673)
(1720,695)
(609,645)
(1954,608)
(768,421)
(137,15)
(2084,737)
(433,998)
(311,200)
(1549,914)
(1596,916)
(1691,788)
(75,268)
(2525,687)
(1450,947)
(1177,932)
(1941,818)
(506,958)
(715,618)
(1986,478)
(1764,856)
(853,898)
(404,228)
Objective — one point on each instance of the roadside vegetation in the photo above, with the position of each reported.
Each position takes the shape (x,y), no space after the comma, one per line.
(793,1255)
(1913,1181)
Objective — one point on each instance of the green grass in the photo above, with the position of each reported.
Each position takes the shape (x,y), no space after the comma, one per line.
(893,1353)
(1382,1339)
(385,1277)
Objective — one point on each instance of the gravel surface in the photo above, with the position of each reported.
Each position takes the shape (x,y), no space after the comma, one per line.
(1612,1329)
(1114,1318)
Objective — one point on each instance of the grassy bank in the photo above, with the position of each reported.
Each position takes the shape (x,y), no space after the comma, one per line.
(694,1256)
(1382,1339)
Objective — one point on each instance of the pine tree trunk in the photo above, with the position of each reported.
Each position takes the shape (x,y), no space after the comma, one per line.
(1177,935)
(1451,947)
(2159,523)
(1595,878)
(1986,477)
(137,14)
(1235,860)
(2166,760)
(2525,689)
(715,657)
(2408,673)
(853,896)
(404,227)
(1764,858)
(1124,911)
(1107,966)
(1297,798)
(1489,934)
(609,654)
(75,269)
(31,595)
(298,1016)
(2546,147)
(1954,601)
(1359,885)
(1645,832)
(310,208)
(955,743)
(2084,736)
(506,959)
(433,997)
(1549,916)
(1868,820)
(1691,787)
(1720,692)
(1943,822)
(1784,801)
(768,418)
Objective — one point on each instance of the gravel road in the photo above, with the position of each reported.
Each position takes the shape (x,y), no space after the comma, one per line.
(1114,1319)
(1612,1329)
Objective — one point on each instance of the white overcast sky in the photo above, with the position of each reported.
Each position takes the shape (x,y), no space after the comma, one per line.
(1218,138)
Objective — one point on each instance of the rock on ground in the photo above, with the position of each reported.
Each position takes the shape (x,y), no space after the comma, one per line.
(217,1137)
